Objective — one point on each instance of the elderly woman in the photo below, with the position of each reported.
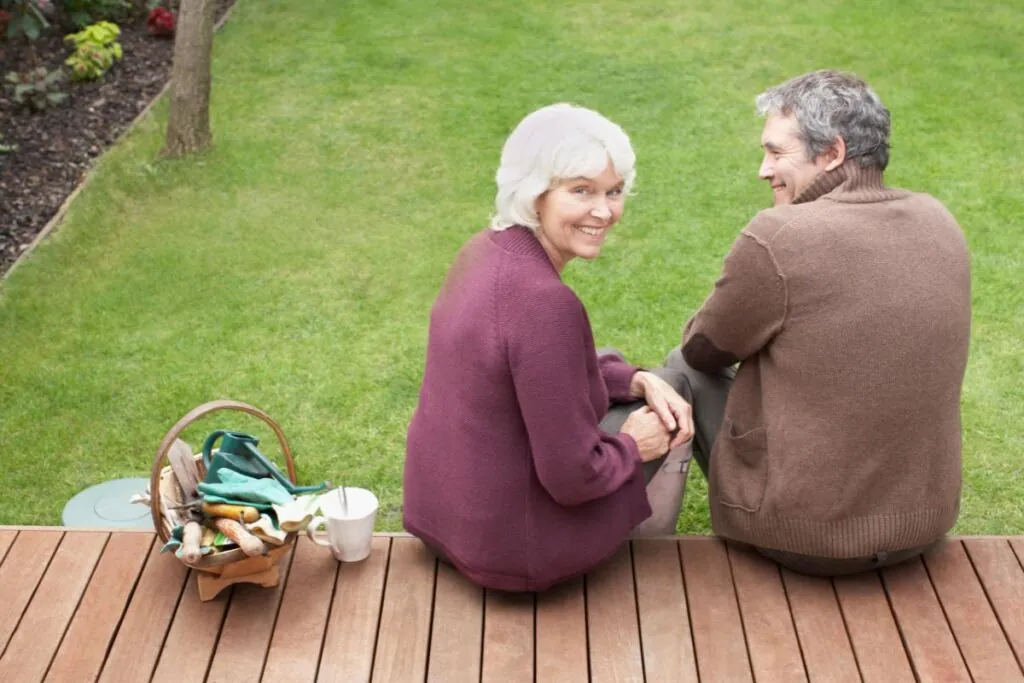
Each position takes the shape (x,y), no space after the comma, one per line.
(510,473)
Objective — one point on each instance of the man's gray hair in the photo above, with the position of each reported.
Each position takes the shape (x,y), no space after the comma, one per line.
(830,104)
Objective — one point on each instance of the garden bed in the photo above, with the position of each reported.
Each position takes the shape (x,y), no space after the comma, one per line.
(53,149)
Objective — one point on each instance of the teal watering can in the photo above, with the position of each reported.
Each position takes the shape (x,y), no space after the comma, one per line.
(238,452)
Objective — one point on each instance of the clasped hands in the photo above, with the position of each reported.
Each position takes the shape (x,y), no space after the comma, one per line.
(666,422)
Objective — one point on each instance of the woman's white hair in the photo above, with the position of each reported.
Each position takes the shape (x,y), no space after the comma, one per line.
(558,142)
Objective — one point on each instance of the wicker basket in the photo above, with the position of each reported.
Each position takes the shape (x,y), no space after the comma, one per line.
(165,493)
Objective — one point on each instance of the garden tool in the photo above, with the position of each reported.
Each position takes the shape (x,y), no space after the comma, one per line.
(237,451)
(235,488)
(242,513)
(249,544)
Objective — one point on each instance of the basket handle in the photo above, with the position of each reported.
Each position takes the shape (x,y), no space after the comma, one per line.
(179,427)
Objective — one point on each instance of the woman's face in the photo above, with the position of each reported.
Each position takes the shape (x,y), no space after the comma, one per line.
(577,214)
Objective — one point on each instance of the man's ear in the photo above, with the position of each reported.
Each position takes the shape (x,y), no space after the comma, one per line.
(836,154)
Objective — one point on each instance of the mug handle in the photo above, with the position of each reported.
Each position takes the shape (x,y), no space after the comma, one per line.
(315,524)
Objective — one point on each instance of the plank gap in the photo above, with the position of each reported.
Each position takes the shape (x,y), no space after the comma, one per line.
(636,609)
(220,631)
(689,608)
(586,626)
(5,548)
(1018,555)
(380,611)
(846,627)
(78,603)
(792,620)
(992,604)
(32,594)
(327,624)
(945,615)
(899,627)
(430,623)
(739,607)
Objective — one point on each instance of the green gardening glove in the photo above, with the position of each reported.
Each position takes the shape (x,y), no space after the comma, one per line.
(238,487)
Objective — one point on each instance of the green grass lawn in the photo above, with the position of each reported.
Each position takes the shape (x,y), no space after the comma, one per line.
(294,266)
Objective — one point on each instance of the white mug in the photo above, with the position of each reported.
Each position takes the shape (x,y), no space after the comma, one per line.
(349,527)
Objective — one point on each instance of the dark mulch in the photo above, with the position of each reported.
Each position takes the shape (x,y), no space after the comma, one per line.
(56,147)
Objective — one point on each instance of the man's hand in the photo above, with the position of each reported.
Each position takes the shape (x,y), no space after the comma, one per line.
(673,410)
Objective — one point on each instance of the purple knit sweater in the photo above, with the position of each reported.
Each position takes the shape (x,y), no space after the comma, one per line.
(506,470)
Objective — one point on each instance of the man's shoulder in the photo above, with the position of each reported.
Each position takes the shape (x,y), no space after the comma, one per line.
(768,223)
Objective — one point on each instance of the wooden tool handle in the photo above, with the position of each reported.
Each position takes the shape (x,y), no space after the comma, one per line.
(190,540)
(240,513)
(249,544)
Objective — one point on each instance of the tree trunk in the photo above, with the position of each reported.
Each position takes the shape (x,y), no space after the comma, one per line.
(188,128)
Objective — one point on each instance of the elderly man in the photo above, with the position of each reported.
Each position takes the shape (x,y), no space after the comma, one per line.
(835,446)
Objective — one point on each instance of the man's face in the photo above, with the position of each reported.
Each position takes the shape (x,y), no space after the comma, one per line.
(785,165)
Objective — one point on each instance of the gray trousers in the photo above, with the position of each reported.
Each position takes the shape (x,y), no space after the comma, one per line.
(709,394)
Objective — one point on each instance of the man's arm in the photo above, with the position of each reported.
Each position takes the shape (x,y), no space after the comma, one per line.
(746,309)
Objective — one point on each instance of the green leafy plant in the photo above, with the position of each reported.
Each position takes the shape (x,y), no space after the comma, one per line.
(96,50)
(25,17)
(37,89)
(84,12)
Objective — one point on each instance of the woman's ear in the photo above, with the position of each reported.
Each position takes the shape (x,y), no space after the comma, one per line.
(836,154)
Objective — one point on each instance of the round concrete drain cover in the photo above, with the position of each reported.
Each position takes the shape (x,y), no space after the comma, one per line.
(106,506)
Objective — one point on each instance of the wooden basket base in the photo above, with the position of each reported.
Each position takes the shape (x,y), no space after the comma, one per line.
(210,584)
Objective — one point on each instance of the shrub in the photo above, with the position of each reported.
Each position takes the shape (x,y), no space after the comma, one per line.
(37,89)
(160,22)
(96,50)
(85,12)
(25,17)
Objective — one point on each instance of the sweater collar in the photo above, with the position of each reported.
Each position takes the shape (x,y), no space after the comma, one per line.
(520,240)
(849,183)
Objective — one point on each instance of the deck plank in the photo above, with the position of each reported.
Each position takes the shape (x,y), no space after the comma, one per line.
(7,537)
(457,631)
(872,629)
(402,640)
(20,573)
(1003,580)
(664,616)
(612,625)
(828,653)
(248,627)
(974,624)
(933,651)
(771,637)
(355,613)
(294,653)
(508,638)
(561,634)
(718,636)
(42,627)
(140,638)
(190,643)
(95,623)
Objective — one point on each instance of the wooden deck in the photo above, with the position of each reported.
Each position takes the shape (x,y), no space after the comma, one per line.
(87,606)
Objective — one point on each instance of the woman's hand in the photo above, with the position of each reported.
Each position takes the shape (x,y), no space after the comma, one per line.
(674,411)
(650,434)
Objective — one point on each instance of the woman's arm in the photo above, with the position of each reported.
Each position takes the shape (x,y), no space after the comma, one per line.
(549,340)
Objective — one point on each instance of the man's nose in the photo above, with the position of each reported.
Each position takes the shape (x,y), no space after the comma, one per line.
(766,171)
